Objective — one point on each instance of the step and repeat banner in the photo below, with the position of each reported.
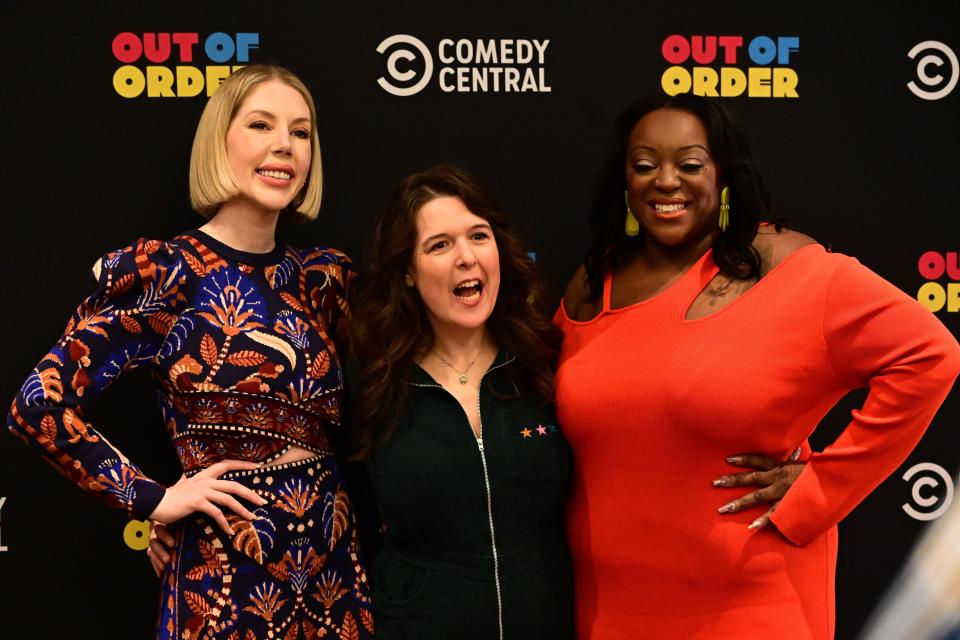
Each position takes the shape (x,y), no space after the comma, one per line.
(852,114)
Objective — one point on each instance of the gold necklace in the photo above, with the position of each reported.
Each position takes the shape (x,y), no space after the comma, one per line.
(463,374)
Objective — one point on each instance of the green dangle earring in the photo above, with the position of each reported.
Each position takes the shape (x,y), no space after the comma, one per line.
(724,220)
(632,225)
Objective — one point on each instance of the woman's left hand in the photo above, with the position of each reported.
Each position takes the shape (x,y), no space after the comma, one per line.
(774,479)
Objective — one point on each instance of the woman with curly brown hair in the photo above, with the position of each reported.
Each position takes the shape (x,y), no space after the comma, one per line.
(454,417)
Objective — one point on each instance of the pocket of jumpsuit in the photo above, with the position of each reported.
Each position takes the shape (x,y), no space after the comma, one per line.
(397,590)
(534,447)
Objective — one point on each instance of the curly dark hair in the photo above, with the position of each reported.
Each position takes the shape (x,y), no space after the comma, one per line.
(390,328)
(733,249)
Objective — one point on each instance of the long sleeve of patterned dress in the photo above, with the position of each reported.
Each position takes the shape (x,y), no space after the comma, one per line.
(879,338)
(332,301)
(120,326)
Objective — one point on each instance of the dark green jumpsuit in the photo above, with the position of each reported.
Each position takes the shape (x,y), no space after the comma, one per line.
(475,544)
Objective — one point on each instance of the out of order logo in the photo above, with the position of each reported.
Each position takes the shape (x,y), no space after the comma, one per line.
(938,55)
(928,476)
(407,49)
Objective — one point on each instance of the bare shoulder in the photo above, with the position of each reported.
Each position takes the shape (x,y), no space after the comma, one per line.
(575,301)
(775,246)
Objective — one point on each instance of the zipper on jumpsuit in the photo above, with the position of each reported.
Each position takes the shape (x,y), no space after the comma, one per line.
(486,482)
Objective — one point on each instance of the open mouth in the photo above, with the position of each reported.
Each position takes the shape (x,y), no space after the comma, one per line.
(670,210)
(468,290)
(276,174)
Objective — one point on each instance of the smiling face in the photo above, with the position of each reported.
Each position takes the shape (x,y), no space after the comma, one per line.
(456,265)
(268,146)
(672,183)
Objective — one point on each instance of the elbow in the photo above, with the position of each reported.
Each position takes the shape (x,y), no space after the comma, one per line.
(17,433)
(950,360)
(24,423)
(13,424)
(943,367)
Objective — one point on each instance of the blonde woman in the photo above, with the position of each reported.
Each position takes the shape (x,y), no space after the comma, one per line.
(240,334)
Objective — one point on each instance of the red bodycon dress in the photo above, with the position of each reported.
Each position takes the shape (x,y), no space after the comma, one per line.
(652,404)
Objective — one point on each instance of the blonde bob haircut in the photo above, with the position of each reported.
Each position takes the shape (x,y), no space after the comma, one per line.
(211,180)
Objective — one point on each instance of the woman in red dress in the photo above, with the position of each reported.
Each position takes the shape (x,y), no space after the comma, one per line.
(693,331)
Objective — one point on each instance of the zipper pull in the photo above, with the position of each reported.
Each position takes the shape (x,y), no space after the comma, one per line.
(480,444)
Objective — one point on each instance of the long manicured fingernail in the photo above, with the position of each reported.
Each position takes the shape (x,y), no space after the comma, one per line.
(733,459)
(727,508)
(263,501)
(756,523)
(720,482)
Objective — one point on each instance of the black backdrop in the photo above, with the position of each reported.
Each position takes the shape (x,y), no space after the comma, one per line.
(857,159)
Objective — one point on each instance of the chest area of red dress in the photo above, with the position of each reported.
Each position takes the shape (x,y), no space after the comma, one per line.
(647,374)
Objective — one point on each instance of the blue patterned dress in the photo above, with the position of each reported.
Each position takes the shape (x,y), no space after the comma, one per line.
(242,348)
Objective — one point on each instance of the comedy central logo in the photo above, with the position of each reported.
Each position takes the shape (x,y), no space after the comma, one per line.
(931,491)
(934,59)
(492,65)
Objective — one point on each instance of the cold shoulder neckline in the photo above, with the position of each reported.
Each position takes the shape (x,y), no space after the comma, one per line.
(690,283)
